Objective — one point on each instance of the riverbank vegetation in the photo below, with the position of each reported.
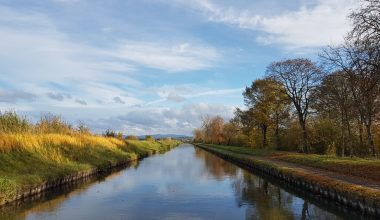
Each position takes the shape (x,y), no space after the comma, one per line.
(33,153)
(364,198)
(358,167)
(331,106)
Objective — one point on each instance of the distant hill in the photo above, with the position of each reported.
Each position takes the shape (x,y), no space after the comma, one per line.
(160,136)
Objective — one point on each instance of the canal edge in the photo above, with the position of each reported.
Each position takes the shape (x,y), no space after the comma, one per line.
(71,179)
(348,199)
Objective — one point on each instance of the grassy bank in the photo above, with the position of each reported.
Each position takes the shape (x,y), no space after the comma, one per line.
(358,167)
(28,159)
(362,198)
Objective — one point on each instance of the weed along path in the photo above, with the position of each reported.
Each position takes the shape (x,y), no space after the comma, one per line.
(186,182)
(360,193)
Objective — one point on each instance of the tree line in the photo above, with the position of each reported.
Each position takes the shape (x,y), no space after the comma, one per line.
(328,106)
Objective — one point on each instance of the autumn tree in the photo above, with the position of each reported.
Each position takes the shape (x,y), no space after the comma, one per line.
(267,101)
(213,129)
(299,77)
(334,100)
(217,133)
(198,135)
(230,131)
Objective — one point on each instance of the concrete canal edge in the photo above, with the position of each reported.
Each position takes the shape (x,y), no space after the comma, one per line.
(348,195)
(68,179)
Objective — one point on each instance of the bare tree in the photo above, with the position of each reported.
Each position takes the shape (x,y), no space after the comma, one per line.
(299,77)
(333,98)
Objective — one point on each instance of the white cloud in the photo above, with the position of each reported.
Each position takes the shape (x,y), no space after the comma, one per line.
(310,26)
(168,57)
(162,120)
(175,97)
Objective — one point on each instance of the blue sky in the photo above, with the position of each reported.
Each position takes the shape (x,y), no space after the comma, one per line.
(151,66)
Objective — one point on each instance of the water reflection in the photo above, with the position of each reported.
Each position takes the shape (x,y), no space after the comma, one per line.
(185,183)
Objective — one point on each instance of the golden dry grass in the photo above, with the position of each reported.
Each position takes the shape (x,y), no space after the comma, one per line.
(29,158)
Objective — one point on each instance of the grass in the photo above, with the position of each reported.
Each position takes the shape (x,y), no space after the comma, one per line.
(358,192)
(358,167)
(28,159)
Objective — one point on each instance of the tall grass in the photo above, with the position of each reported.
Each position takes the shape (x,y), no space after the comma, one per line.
(51,148)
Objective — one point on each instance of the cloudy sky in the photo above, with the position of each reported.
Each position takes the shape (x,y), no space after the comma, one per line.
(151,66)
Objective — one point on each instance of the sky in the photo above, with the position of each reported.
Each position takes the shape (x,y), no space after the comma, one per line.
(151,66)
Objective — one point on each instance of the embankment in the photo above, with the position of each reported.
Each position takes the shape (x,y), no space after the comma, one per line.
(365,200)
(31,163)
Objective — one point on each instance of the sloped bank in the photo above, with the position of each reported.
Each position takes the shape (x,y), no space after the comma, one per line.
(362,199)
(32,164)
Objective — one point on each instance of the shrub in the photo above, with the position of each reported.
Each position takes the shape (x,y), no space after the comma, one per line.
(10,122)
(131,137)
(149,138)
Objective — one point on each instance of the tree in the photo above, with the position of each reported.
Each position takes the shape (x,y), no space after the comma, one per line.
(213,129)
(333,99)
(299,77)
(366,24)
(198,135)
(149,138)
(216,125)
(357,62)
(269,103)
(230,131)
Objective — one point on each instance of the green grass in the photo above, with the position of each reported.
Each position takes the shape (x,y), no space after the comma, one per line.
(29,159)
(359,167)
(351,190)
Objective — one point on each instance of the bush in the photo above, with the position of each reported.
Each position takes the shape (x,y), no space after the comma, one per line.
(109,133)
(149,138)
(50,123)
(131,137)
(10,122)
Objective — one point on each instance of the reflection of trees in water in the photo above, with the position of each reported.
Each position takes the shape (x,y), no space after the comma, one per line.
(266,201)
(261,199)
(218,167)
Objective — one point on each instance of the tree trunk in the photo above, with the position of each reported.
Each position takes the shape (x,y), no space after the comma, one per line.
(343,135)
(305,147)
(277,132)
(349,136)
(264,132)
(370,142)
(361,133)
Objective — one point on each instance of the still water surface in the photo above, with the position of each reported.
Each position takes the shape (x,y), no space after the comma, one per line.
(185,183)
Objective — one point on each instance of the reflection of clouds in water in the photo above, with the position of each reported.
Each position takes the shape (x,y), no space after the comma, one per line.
(185,183)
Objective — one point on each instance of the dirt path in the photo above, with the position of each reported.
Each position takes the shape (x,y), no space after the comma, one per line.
(319,172)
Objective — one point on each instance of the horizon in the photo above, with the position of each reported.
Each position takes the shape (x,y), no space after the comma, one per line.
(152,67)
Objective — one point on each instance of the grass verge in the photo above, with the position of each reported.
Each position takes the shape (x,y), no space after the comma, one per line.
(350,195)
(30,159)
(358,167)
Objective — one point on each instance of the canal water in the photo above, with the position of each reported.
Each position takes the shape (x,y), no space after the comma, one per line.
(185,183)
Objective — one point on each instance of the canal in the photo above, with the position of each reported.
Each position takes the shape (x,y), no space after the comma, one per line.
(185,183)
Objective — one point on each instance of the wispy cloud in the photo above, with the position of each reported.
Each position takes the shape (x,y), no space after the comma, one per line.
(80,101)
(15,96)
(117,99)
(168,57)
(163,120)
(310,26)
(58,96)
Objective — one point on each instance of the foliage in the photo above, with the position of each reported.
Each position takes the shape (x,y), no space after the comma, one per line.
(10,122)
(131,137)
(149,138)
(28,159)
(330,107)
